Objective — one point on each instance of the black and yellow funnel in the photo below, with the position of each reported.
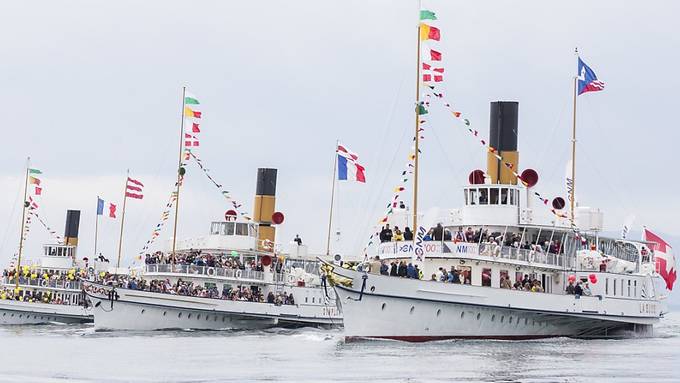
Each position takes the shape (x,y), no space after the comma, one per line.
(503,137)
(264,206)
(71,228)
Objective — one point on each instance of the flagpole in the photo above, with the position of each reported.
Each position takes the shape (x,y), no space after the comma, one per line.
(23,225)
(417,138)
(179,174)
(330,215)
(122,221)
(573,148)
(96,227)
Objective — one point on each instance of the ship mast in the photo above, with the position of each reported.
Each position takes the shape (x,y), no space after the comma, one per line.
(417,139)
(23,225)
(573,150)
(180,173)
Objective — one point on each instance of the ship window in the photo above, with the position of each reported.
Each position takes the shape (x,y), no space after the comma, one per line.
(228,228)
(606,286)
(189,316)
(510,320)
(473,196)
(479,316)
(465,192)
(439,311)
(484,196)
(179,315)
(242,229)
(504,275)
(486,277)
(215,228)
(502,318)
(504,196)
(198,317)
(629,288)
(383,306)
(252,229)
(621,287)
(413,308)
(614,286)
(635,289)
(493,317)
(462,314)
(493,194)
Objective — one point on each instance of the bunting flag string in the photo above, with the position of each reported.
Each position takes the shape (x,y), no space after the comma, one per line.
(33,212)
(236,205)
(165,215)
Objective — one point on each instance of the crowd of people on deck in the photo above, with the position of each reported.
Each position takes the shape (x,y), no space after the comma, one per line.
(198,258)
(189,288)
(580,288)
(32,296)
(45,278)
(454,275)
(480,236)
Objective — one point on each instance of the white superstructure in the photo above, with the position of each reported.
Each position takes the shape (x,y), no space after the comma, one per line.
(48,291)
(280,274)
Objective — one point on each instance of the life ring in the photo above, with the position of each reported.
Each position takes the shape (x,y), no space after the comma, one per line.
(211,271)
(238,273)
(43,283)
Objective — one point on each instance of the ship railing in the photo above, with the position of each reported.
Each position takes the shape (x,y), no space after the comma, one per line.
(524,255)
(44,283)
(205,270)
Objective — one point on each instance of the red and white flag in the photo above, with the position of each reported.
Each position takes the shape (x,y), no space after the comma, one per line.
(664,258)
(112,210)
(134,189)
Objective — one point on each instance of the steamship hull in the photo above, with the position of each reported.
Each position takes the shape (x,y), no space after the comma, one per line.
(25,313)
(414,310)
(144,311)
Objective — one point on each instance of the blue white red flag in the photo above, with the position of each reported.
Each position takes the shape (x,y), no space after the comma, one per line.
(348,167)
(100,206)
(587,81)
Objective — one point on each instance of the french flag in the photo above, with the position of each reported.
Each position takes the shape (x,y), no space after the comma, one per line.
(348,167)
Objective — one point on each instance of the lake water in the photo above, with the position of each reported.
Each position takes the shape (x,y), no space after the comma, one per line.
(79,354)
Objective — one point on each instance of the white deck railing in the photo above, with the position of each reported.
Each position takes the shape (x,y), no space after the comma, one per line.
(190,270)
(45,283)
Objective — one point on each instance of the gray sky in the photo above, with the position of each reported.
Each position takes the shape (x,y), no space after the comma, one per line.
(92,88)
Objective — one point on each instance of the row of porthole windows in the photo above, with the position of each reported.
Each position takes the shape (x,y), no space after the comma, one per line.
(189,316)
(479,317)
(21,316)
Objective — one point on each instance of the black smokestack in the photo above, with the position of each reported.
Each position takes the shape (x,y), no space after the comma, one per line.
(503,126)
(72,225)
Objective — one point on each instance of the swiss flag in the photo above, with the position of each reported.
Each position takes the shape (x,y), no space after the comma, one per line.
(664,258)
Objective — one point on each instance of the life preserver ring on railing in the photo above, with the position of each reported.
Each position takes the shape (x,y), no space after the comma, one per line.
(211,271)
(43,283)
(238,273)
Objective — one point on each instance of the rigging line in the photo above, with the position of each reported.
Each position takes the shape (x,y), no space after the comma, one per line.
(371,212)
(372,198)
(547,146)
(624,201)
(11,218)
(456,170)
